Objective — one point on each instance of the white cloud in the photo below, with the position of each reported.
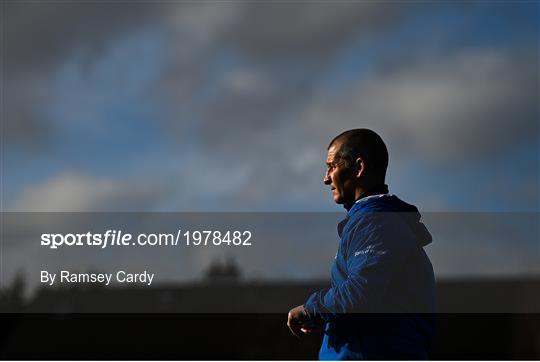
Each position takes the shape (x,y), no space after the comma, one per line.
(75,192)
(247,82)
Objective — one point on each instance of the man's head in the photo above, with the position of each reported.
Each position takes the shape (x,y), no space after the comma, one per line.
(356,162)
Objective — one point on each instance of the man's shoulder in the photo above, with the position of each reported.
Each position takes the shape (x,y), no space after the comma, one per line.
(380,213)
(366,222)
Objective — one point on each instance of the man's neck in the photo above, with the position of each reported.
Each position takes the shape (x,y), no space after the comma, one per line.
(375,190)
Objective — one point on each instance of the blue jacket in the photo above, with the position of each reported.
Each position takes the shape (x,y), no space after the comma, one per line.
(381,300)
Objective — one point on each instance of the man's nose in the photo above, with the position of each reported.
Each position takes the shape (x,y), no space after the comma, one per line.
(326,179)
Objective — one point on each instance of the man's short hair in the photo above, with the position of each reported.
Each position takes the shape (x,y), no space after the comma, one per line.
(367,145)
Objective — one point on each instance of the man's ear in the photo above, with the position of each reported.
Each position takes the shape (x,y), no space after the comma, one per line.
(360,167)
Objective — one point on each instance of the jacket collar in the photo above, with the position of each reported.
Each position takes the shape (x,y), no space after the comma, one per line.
(376,192)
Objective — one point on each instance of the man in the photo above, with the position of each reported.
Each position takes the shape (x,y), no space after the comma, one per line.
(381,298)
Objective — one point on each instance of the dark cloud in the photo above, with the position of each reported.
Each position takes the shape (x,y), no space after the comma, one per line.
(309,31)
(38,37)
(289,43)
(464,106)
(260,62)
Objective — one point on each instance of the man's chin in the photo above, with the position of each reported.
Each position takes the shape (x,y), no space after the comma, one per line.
(341,201)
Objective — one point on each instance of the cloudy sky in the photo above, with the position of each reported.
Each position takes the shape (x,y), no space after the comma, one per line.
(229,105)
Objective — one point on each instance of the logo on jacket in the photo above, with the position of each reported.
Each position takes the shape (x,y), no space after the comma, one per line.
(370,250)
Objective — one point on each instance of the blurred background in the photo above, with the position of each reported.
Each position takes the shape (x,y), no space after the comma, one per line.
(228,106)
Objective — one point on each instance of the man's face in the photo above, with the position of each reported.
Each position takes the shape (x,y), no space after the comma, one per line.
(339,177)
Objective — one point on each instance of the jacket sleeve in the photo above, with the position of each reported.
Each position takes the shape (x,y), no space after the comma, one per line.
(376,246)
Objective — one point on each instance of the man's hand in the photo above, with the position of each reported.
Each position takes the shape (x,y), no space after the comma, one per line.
(299,323)
(296,320)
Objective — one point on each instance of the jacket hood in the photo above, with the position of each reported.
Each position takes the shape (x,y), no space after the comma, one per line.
(392,204)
